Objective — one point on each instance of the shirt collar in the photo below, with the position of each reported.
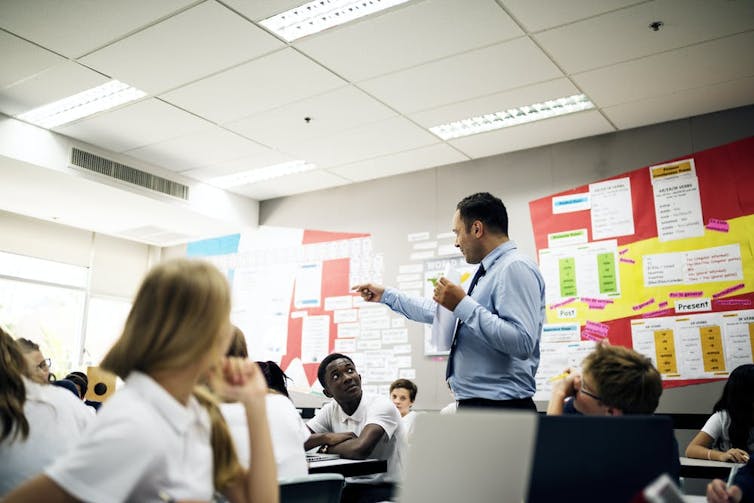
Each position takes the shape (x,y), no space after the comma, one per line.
(358,415)
(498,252)
(178,416)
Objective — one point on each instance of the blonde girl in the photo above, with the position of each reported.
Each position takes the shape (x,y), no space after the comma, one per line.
(161,438)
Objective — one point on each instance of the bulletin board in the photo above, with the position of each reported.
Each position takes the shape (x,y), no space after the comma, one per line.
(658,259)
(292,299)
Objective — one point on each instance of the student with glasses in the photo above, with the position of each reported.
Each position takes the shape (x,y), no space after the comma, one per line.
(39,423)
(613,381)
(38,365)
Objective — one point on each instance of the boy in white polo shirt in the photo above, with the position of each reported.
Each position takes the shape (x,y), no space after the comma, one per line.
(358,426)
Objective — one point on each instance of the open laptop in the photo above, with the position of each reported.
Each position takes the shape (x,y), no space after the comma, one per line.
(469,457)
(598,459)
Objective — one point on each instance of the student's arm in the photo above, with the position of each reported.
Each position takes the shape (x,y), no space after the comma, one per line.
(248,386)
(719,492)
(561,390)
(40,488)
(360,447)
(329,439)
(700,447)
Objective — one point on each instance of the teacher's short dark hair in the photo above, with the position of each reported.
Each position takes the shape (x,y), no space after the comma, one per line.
(486,208)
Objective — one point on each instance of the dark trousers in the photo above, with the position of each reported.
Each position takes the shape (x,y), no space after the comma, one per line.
(483,403)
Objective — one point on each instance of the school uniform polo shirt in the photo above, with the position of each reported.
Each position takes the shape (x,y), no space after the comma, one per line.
(372,409)
(143,446)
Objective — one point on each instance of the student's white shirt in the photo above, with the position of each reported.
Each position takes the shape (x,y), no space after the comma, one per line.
(408,423)
(372,409)
(143,446)
(451,408)
(57,420)
(718,427)
(287,430)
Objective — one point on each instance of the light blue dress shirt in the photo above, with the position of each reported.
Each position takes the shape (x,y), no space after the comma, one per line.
(497,352)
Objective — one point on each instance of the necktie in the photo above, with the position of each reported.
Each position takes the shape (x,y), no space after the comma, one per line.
(449,369)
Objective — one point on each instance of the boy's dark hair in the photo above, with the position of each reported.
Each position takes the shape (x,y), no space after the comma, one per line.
(81,380)
(624,379)
(737,400)
(405,384)
(325,362)
(276,378)
(486,208)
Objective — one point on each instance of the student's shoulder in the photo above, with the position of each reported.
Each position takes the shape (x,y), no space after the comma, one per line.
(378,404)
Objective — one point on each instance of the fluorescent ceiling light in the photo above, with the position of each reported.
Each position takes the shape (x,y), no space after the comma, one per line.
(91,101)
(261,174)
(513,117)
(313,17)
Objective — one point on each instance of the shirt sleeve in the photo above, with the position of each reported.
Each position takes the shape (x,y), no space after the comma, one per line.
(714,426)
(322,420)
(513,324)
(414,308)
(383,413)
(94,470)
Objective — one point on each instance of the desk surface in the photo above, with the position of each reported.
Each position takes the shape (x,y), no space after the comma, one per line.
(704,469)
(349,467)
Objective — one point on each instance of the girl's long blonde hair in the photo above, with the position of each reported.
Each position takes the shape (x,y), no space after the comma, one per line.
(178,317)
(12,390)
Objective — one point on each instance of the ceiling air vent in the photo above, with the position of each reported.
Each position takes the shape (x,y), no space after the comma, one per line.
(128,174)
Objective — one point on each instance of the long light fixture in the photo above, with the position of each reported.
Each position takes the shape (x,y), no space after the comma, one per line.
(318,15)
(513,117)
(262,174)
(91,101)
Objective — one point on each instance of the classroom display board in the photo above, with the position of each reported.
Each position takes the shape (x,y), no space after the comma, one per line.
(292,299)
(658,259)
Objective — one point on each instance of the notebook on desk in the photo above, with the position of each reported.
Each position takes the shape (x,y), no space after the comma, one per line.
(312,457)
(475,457)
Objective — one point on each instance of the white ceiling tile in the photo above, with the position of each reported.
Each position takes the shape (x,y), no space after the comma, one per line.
(536,16)
(458,78)
(195,43)
(201,148)
(290,185)
(661,74)
(283,128)
(22,59)
(133,126)
(528,95)
(535,134)
(262,9)
(265,83)
(625,34)
(405,37)
(267,157)
(678,105)
(55,83)
(371,140)
(402,162)
(76,27)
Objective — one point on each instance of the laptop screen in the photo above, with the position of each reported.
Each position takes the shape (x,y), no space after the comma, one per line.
(601,458)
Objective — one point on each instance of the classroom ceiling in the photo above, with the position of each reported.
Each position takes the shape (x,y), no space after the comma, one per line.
(226,96)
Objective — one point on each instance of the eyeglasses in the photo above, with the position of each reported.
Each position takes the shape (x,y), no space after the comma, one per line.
(583,389)
(44,364)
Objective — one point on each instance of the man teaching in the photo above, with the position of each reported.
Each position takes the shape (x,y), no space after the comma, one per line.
(495,350)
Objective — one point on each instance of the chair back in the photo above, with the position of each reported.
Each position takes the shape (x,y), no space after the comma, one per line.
(312,488)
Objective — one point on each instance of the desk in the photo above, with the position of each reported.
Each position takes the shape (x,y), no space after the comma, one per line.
(349,467)
(704,469)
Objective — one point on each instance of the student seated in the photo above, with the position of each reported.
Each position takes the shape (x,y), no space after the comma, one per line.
(287,429)
(613,381)
(358,426)
(39,422)
(38,366)
(403,395)
(161,437)
(728,435)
